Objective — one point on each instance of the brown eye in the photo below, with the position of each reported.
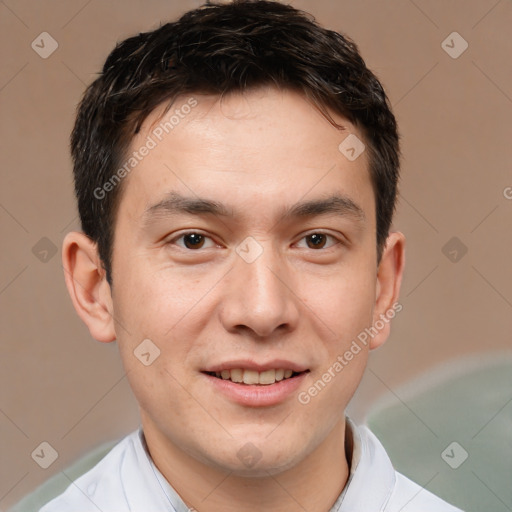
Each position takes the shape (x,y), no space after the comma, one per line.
(192,241)
(318,241)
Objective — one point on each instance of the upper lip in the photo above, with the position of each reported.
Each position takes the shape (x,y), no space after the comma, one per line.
(247,364)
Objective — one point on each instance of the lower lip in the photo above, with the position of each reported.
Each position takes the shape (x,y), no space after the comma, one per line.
(257,395)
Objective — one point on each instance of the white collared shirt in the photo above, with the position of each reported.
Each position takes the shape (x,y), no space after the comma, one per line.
(126,480)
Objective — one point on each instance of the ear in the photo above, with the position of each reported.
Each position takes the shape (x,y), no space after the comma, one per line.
(88,286)
(389,280)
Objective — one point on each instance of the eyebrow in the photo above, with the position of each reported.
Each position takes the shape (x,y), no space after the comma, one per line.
(176,204)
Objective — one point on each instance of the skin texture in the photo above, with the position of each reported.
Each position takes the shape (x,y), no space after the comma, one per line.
(255,152)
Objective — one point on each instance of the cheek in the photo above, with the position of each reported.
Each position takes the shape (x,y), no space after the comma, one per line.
(343,311)
(154,303)
(152,318)
(343,301)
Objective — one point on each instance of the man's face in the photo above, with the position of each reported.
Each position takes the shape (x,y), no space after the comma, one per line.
(249,288)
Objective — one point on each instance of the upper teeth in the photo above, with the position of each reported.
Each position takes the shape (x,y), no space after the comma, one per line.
(254,377)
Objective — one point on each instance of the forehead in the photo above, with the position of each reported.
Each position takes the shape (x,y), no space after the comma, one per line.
(252,149)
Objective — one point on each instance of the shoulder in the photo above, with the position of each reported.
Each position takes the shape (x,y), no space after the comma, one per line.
(396,492)
(408,496)
(100,488)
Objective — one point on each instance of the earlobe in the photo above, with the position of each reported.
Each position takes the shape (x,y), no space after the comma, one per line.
(389,280)
(87,285)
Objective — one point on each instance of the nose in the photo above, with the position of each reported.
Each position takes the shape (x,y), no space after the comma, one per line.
(260,297)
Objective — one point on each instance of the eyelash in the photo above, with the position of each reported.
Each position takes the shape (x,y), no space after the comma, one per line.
(337,240)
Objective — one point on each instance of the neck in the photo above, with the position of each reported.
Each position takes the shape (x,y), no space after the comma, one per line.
(313,485)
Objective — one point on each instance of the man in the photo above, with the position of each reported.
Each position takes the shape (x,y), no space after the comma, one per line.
(236,175)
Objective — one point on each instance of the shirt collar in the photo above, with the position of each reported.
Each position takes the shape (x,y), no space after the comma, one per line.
(353,454)
(169,498)
(372,477)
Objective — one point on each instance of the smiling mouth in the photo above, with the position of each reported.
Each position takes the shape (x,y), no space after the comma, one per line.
(252,377)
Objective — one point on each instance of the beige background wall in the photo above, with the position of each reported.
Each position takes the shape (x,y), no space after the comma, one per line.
(59,385)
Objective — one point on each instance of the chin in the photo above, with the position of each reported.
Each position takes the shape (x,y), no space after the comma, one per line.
(256,459)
